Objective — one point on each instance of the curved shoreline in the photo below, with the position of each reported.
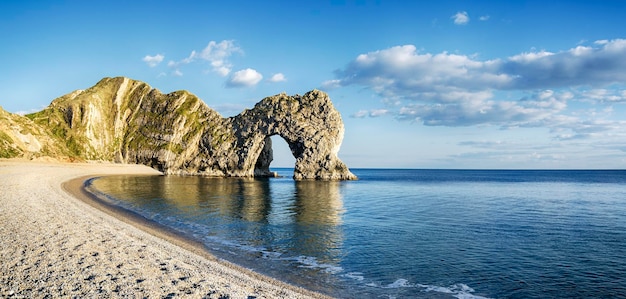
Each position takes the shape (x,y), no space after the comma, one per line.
(78,188)
(64,241)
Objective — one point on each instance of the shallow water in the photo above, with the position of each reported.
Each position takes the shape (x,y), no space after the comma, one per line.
(406,233)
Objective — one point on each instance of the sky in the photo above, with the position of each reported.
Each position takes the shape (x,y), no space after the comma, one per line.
(419,84)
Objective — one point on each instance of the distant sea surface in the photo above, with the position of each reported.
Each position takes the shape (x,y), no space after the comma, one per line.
(405,233)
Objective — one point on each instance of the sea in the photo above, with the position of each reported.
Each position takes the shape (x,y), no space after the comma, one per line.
(405,233)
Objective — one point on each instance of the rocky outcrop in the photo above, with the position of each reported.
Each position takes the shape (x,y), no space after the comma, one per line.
(127,121)
(20,137)
(309,124)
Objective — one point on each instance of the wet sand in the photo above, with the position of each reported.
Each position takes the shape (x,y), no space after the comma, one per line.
(58,241)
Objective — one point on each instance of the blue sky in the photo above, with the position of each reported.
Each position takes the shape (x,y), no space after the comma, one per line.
(420,84)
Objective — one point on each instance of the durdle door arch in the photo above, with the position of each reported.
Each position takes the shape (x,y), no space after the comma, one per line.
(310,125)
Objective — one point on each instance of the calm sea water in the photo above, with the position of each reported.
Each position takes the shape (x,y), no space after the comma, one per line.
(406,233)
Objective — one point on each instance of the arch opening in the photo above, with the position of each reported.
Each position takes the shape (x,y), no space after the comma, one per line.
(283,157)
(276,153)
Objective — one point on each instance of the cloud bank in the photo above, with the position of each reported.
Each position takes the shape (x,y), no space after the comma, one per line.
(533,89)
(404,72)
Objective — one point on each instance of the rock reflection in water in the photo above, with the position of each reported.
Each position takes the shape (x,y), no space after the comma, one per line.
(243,198)
(317,209)
(297,218)
(318,202)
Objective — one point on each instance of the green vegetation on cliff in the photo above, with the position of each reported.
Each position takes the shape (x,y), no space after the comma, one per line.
(7,149)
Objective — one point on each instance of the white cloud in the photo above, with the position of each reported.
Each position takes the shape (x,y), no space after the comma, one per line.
(175,65)
(244,78)
(360,114)
(484,18)
(215,53)
(218,53)
(504,113)
(153,61)
(592,66)
(403,72)
(331,84)
(603,95)
(445,89)
(378,112)
(461,18)
(370,113)
(222,70)
(278,77)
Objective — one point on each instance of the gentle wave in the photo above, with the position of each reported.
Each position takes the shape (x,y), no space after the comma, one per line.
(461,291)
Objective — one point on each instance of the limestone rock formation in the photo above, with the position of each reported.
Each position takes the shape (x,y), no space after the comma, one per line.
(127,121)
(20,137)
(309,124)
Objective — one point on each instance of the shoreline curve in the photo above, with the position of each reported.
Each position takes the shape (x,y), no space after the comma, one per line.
(65,241)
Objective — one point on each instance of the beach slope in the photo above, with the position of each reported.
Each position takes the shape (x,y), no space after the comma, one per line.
(54,244)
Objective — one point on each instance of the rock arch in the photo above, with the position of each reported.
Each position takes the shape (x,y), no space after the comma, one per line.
(310,125)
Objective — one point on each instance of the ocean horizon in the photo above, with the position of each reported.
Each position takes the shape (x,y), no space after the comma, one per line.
(404,233)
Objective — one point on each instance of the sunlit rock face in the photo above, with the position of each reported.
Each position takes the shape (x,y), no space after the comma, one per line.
(127,121)
(20,137)
(309,124)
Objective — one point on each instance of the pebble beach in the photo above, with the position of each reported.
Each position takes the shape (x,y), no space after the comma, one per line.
(58,242)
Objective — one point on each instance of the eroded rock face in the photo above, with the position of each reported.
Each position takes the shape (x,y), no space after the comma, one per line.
(309,124)
(20,137)
(127,121)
